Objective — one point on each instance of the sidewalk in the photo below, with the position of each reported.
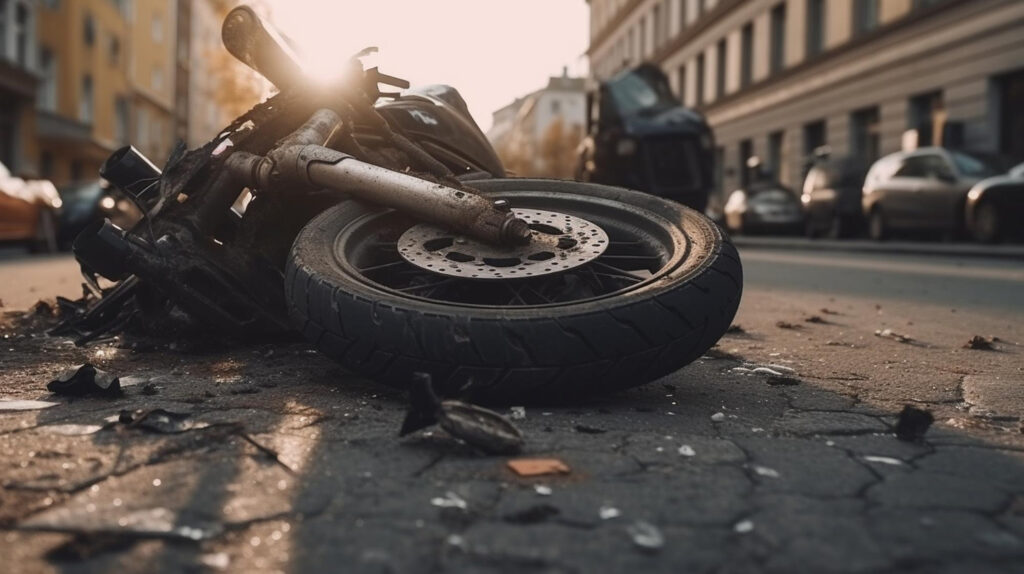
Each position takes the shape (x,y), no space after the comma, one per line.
(1001,251)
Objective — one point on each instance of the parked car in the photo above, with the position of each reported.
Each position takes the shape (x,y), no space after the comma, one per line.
(922,190)
(29,211)
(89,201)
(764,206)
(641,137)
(995,207)
(832,197)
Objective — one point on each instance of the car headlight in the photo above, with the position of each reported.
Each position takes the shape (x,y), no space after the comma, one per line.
(626,146)
(974,194)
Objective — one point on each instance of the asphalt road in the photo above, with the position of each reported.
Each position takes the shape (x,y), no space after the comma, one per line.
(714,468)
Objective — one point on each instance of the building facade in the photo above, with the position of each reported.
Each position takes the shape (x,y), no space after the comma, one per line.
(781,78)
(153,35)
(19,82)
(537,133)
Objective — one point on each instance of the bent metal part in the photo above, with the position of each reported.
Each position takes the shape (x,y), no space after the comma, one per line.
(558,242)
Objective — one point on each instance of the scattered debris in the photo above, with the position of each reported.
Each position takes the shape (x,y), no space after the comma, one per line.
(815,319)
(160,421)
(532,514)
(743,526)
(542,490)
(449,500)
(979,343)
(477,426)
(827,311)
(538,466)
(608,512)
(913,423)
(687,450)
(216,560)
(890,334)
(517,413)
(883,460)
(72,429)
(24,405)
(85,380)
(735,329)
(718,417)
(782,380)
(646,535)
(150,389)
(788,325)
(765,471)
(586,429)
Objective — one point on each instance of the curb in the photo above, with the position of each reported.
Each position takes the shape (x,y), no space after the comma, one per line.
(1003,252)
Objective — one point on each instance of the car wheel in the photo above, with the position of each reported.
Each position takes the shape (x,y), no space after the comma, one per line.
(986,223)
(45,240)
(877,228)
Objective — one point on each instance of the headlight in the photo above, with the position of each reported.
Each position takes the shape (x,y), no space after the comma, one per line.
(626,146)
(974,194)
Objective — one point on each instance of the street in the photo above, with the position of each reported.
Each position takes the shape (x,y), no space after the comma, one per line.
(714,468)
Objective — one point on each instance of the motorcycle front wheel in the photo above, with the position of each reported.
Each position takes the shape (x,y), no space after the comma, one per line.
(662,293)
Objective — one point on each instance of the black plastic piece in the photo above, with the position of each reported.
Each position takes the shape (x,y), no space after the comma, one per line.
(103,248)
(131,171)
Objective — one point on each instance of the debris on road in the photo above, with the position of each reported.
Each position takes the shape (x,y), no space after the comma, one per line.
(538,466)
(72,429)
(913,423)
(782,380)
(646,535)
(718,417)
(542,489)
(827,311)
(890,334)
(24,405)
(85,380)
(449,500)
(815,319)
(735,329)
(743,526)
(687,450)
(532,515)
(765,471)
(883,460)
(517,413)
(788,325)
(587,429)
(160,421)
(979,343)
(608,512)
(479,427)
(142,523)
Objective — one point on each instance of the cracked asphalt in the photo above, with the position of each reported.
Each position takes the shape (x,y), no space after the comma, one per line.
(735,470)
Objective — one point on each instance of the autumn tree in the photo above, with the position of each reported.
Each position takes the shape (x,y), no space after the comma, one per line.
(558,150)
(239,88)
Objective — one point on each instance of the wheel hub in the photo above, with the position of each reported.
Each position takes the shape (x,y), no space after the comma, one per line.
(558,242)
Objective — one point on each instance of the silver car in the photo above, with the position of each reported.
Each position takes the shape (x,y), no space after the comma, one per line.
(921,190)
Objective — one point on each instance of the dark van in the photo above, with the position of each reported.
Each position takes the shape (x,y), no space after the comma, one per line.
(641,137)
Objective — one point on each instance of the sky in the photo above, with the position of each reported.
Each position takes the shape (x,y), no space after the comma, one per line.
(491,51)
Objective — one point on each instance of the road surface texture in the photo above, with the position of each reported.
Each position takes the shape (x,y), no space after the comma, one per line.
(715,468)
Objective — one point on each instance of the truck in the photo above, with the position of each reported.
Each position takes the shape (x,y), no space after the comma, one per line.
(640,136)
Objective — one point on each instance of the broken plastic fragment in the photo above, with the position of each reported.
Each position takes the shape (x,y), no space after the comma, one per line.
(883,460)
(542,490)
(71,429)
(85,380)
(765,471)
(744,526)
(538,466)
(646,535)
(160,421)
(24,405)
(718,417)
(766,371)
(890,334)
(608,512)
(449,500)
(517,413)
(687,450)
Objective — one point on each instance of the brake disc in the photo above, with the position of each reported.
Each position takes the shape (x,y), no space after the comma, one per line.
(559,242)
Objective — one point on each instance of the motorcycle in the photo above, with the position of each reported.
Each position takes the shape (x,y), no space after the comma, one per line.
(380,225)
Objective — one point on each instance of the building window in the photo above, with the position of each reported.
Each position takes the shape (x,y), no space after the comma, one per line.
(682,83)
(777,48)
(85,104)
(864,136)
(121,120)
(21,31)
(48,82)
(700,79)
(865,16)
(89,30)
(773,163)
(114,49)
(747,55)
(720,75)
(815,27)
(157,79)
(814,137)
(746,150)
(158,29)
(927,114)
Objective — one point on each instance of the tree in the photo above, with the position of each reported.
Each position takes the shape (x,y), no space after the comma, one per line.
(558,150)
(238,87)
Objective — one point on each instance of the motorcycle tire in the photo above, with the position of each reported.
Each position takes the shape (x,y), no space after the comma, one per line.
(343,296)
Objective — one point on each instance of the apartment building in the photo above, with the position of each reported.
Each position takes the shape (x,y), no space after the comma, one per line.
(780,78)
(153,35)
(19,83)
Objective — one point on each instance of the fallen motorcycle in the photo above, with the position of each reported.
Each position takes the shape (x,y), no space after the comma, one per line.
(382,227)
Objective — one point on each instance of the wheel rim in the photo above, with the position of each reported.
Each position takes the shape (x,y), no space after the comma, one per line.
(643,247)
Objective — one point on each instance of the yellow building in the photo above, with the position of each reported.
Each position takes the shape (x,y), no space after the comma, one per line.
(83,103)
(153,37)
